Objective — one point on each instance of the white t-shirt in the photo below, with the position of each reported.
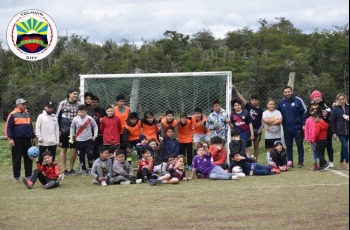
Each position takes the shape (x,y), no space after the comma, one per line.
(272,131)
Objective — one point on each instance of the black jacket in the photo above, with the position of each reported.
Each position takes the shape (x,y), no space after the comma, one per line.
(338,124)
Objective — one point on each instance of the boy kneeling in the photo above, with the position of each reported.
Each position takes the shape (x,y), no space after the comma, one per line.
(49,168)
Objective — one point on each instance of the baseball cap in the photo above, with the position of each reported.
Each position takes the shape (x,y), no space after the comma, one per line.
(21,101)
(277,143)
(49,104)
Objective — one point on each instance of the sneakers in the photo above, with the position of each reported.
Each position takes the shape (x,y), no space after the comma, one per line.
(331,165)
(28,183)
(84,172)
(72,172)
(49,185)
(240,175)
(145,180)
(138,181)
(322,168)
(155,182)
(16,180)
(300,165)
(95,182)
(66,173)
(234,177)
(103,183)
(276,171)
(125,182)
(314,166)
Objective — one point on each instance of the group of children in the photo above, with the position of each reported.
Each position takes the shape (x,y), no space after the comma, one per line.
(124,133)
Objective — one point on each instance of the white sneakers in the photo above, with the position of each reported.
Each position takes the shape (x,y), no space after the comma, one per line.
(125,182)
(331,165)
(240,175)
(234,177)
(138,181)
(103,183)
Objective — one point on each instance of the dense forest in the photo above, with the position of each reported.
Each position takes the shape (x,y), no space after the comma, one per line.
(260,58)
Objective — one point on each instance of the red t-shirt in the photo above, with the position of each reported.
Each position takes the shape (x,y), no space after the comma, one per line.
(143,163)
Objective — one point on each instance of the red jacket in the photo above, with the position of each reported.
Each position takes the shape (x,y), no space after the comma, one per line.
(321,131)
(219,156)
(51,171)
(111,127)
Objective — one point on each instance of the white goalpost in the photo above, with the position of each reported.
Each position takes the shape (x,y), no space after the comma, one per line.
(158,92)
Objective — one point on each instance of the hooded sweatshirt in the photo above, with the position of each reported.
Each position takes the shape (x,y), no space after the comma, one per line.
(47,129)
(321,131)
(111,128)
(219,156)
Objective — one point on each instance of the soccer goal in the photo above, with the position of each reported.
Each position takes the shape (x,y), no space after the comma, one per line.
(158,92)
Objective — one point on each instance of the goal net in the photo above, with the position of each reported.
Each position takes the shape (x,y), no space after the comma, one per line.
(158,92)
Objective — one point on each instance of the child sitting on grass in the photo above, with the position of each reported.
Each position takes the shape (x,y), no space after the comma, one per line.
(47,173)
(102,168)
(122,170)
(218,153)
(203,163)
(176,172)
(146,165)
(243,162)
(154,148)
(279,158)
(163,167)
(169,144)
(237,145)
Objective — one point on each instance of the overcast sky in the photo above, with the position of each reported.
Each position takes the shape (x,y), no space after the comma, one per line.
(148,19)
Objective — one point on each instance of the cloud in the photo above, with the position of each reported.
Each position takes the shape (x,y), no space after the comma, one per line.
(148,19)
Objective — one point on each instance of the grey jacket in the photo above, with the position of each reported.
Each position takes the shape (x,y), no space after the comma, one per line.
(122,168)
(96,172)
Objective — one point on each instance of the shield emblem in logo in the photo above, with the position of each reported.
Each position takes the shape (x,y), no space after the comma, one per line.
(31,35)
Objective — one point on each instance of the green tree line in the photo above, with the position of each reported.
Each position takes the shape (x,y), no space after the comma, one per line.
(260,58)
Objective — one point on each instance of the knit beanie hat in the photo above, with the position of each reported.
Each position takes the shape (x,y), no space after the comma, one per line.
(142,137)
(315,94)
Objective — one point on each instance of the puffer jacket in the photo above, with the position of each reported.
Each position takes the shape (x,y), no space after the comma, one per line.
(338,125)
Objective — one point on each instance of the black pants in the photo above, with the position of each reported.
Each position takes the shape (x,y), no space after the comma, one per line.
(42,178)
(330,149)
(20,149)
(187,150)
(224,166)
(97,143)
(320,149)
(85,148)
(51,149)
(145,174)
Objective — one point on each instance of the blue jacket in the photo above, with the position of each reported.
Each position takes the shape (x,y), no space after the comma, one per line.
(170,146)
(293,112)
(244,164)
(19,124)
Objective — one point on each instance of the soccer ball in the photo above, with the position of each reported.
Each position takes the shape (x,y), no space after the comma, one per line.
(33,152)
(237,169)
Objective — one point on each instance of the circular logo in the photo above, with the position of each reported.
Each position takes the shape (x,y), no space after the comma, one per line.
(32,35)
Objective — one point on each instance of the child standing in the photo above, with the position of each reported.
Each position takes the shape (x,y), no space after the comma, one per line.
(169,120)
(279,158)
(146,165)
(47,173)
(102,168)
(241,120)
(122,170)
(122,112)
(169,143)
(176,172)
(185,138)
(309,134)
(203,163)
(199,127)
(84,140)
(142,143)
(111,128)
(149,125)
(216,122)
(272,123)
(320,138)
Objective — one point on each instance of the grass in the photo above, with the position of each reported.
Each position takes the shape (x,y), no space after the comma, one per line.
(298,199)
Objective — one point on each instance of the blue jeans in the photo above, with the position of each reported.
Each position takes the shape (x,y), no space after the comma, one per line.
(314,155)
(219,174)
(288,138)
(344,154)
(262,170)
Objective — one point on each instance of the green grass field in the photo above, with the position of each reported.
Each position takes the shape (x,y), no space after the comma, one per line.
(298,199)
